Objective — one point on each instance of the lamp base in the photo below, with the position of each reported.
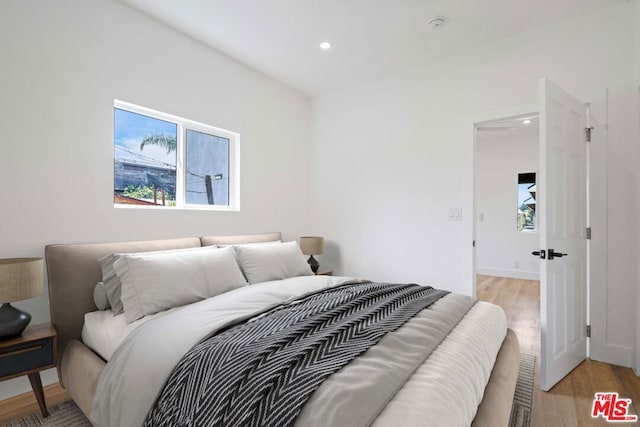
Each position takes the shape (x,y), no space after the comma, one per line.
(314,264)
(12,321)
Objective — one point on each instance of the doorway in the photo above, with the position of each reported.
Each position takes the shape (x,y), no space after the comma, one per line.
(562,208)
(506,167)
(507,162)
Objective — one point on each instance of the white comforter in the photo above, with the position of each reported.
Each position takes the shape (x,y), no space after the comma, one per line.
(445,390)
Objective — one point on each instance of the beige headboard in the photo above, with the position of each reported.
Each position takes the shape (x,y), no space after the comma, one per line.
(238,240)
(73,271)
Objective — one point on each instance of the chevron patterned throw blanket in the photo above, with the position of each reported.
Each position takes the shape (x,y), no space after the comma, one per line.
(262,372)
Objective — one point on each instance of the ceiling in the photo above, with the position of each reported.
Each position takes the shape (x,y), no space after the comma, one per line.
(370,38)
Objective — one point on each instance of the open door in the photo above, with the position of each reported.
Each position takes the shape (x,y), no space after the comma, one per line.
(562,207)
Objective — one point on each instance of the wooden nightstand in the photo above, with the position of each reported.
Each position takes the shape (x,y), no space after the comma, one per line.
(28,354)
(324,273)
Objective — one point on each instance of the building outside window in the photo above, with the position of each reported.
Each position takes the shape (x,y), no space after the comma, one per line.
(526,219)
(165,161)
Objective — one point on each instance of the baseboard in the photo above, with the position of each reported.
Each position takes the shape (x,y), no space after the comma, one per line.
(513,274)
(25,404)
(611,353)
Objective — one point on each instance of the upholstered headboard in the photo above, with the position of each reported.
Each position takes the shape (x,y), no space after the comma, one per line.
(73,271)
(238,240)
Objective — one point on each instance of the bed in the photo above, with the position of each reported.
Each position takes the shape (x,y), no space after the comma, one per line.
(474,367)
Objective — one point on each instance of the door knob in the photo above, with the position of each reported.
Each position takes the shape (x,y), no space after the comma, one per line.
(542,254)
(553,254)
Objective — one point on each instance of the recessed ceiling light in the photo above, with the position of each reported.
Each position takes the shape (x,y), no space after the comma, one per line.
(325,45)
(526,122)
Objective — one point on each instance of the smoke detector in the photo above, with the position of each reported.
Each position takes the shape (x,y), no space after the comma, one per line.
(437,22)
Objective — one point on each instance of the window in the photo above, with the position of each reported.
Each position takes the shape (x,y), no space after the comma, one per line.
(527,201)
(164,161)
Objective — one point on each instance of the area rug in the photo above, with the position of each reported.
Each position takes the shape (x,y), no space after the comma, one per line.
(67,414)
(523,398)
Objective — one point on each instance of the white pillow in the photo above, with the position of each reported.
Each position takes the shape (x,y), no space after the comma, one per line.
(100,297)
(261,263)
(153,282)
(111,281)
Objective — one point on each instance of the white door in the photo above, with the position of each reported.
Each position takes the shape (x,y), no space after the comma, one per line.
(562,209)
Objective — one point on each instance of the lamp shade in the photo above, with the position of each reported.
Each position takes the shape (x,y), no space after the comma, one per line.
(20,278)
(312,245)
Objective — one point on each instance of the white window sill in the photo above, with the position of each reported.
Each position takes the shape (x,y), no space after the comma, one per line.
(180,208)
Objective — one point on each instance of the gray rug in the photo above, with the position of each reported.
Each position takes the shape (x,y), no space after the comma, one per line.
(523,398)
(67,414)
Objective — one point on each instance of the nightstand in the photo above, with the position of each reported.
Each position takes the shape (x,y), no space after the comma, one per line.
(28,354)
(325,273)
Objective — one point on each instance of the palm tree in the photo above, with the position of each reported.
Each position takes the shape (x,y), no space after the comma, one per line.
(160,139)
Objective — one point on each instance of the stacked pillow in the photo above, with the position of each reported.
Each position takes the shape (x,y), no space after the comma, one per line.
(140,284)
(275,261)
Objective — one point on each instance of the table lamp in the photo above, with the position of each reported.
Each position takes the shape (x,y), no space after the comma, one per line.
(312,245)
(20,278)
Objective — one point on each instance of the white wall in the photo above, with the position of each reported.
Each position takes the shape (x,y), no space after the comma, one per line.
(502,250)
(402,143)
(63,63)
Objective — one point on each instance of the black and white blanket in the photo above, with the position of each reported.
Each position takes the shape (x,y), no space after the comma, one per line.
(431,370)
(263,371)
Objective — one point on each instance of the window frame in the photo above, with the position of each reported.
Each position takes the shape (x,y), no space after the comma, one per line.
(183,125)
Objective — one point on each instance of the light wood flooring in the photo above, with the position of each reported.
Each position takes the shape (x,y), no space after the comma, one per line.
(569,402)
(26,404)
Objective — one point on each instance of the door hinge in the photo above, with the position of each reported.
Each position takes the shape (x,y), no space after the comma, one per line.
(588,233)
(588,133)
(588,331)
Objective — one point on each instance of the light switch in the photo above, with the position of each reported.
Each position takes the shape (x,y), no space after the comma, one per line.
(480,217)
(455,214)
